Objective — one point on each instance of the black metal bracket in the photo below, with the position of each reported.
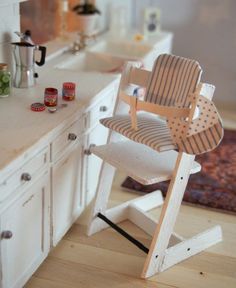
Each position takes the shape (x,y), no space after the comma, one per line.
(123,233)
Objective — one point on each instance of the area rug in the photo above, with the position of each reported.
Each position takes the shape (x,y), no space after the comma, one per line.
(215,186)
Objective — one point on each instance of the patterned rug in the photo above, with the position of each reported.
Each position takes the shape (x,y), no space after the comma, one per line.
(215,186)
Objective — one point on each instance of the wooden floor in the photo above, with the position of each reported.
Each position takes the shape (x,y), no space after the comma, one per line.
(106,259)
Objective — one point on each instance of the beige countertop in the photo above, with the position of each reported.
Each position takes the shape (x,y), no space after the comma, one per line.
(22,129)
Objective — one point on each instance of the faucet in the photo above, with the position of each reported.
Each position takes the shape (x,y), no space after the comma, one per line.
(81,43)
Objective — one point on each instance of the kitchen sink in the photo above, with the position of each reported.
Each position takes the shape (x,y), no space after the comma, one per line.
(122,49)
(105,57)
(90,62)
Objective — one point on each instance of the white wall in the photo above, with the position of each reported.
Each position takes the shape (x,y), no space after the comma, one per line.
(106,7)
(9,22)
(204,30)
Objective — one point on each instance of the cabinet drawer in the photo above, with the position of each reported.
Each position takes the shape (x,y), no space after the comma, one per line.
(102,109)
(25,175)
(66,139)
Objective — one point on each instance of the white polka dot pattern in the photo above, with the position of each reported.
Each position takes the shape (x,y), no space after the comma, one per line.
(208,116)
(205,132)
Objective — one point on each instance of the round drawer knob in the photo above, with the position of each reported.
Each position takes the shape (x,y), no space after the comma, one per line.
(26,177)
(103,108)
(88,151)
(6,235)
(72,136)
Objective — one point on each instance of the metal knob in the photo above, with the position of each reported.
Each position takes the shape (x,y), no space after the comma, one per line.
(72,136)
(103,108)
(88,151)
(6,235)
(26,177)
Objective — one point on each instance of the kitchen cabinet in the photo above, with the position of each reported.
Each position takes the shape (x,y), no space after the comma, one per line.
(66,169)
(25,233)
(67,197)
(47,172)
(43,195)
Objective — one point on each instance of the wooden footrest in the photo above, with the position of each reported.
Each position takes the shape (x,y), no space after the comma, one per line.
(140,162)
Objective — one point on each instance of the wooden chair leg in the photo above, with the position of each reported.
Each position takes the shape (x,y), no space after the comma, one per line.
(167,248)
(168,215)
(102,195)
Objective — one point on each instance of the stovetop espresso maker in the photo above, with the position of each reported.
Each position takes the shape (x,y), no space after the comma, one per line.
(24,55)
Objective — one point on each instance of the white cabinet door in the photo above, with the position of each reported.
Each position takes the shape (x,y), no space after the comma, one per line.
(92,164)
(67,200)
(25,234)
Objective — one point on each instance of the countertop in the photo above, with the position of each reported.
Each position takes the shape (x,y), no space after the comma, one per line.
(22,130)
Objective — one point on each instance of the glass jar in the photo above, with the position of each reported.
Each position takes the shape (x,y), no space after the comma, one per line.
(50,97)
(68,91)
(5,80)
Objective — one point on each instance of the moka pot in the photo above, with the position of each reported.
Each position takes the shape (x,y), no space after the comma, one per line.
(24,55)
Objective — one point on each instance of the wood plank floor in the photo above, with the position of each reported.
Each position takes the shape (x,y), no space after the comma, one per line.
(108,260)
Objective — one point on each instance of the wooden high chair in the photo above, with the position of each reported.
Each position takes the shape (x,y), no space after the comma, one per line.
(176,121)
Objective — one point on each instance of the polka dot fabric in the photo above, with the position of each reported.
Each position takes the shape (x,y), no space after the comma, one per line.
(205,132)
(208,116)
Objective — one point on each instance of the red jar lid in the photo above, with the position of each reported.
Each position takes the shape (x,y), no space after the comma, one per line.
(69,85)
(38,107)
(51,91)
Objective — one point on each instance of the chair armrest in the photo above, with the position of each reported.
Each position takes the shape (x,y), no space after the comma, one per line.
(165,111)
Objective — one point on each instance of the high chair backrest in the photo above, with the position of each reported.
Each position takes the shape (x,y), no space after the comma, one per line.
(173,80)
(174,91)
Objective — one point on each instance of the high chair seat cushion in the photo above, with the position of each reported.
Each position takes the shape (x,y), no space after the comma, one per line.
(152,131)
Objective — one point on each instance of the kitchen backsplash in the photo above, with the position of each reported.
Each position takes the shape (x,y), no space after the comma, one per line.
(10,21)
(44,15)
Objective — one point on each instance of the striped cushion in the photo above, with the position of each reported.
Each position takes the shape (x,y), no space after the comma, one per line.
(172,81)
(152,131)
(203,141)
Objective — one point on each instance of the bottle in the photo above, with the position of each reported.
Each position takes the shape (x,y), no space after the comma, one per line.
(5,80)
(68,91)
(50,97)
